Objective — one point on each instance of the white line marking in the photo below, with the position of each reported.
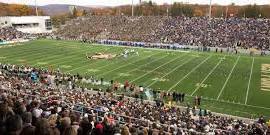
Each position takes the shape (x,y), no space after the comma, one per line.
(72,58)
(211,99)
(55,58)
(100,67)
(141,66)
(222,89)
(155,69)
(198,87)
(170,72)
(189,73)
(251,71)
(127,64)
(88,64)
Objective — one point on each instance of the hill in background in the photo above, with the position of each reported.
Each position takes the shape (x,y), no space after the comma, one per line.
(145,9)
(23,10)
(57,9)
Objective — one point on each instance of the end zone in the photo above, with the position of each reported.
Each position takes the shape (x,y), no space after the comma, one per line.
(265,77)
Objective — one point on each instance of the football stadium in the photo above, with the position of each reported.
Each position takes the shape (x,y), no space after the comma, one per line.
(135,73)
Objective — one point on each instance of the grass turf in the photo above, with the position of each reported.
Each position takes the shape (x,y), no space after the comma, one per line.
(228,83)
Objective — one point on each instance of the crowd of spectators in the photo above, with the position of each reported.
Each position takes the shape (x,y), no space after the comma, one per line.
(199,31)
(247,33)
(41,102)
(10,33)
(112,27)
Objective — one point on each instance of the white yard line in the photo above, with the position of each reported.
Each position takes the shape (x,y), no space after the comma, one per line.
(141,66)
(25,53)
(106,65)
(223,101)
(251,71)
(75,58)
(170,72)
(155,69)
(198,87)
(4,46)
(48,59)
(189,73)
(127,64)
(52,59)
(222,89)
(77,68)
(88,64)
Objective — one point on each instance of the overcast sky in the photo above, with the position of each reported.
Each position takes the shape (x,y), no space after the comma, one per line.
(124,2)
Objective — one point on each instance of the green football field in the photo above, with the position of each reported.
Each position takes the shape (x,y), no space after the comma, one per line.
(231,84)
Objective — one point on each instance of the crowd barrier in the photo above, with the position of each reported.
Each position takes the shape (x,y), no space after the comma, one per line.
(176,46)
(14,41)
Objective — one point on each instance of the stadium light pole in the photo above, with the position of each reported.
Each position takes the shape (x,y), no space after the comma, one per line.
(36,7)
(227,9)
(169,6)
(210,9)
(132,9)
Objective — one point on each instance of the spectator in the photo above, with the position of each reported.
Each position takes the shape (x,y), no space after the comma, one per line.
(28,129)
(10,33)
(70,131)
(125,131)
(198,31)
(55,112)
(14,125)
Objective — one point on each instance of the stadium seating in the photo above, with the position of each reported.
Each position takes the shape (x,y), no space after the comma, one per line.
(9,33)
(217,32)
(38,101)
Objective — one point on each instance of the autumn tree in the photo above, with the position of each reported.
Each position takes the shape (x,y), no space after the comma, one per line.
(74,12)
(250,11)
(265,11)
(84,12)
(219,12)
(59,20)
(180,9)
(17,10)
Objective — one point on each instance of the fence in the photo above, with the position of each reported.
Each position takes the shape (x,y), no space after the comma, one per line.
(175,46)
(14,41)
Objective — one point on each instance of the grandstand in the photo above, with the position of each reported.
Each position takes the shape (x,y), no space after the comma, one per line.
(70,82)
(196,31)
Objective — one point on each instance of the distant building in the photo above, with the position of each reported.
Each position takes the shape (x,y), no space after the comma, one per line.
(28,24)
